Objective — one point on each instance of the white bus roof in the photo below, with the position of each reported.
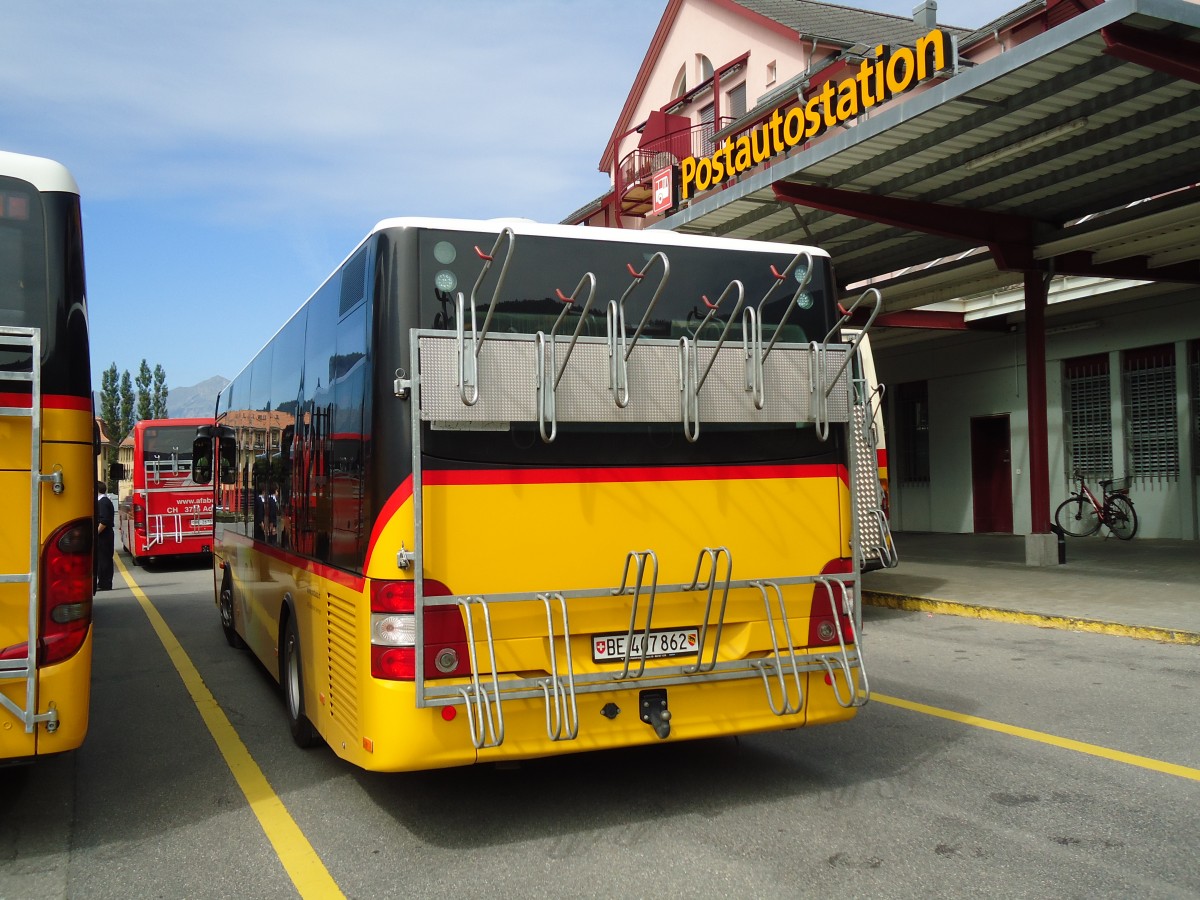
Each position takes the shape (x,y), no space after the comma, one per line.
(43,174)
(581,232)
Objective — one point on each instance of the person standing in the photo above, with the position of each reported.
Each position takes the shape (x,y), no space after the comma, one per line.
(102,568)
(273,514)
(260,513)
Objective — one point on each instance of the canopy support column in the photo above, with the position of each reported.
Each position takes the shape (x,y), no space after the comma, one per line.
(1041,546)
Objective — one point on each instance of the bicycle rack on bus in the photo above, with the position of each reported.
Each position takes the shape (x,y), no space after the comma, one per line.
(821,385)
(781,671)
(690,379)
(549,372)
(858,694)
(805,383)
(24,668)
(469,346)
(618,351)
(752,319)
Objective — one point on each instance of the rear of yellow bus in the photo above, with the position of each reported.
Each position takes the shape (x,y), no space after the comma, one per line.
(544,567)
(47,464)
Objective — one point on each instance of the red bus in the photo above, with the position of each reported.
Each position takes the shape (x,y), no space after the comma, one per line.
(165,512)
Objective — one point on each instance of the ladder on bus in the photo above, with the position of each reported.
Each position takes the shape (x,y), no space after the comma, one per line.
(455,384)
(24,668)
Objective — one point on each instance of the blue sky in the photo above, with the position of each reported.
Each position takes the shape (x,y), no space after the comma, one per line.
(230,154)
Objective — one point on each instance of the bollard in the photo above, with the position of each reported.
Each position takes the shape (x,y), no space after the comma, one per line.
(1062,543)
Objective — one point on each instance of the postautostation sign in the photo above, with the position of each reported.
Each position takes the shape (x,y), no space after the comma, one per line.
(891,71)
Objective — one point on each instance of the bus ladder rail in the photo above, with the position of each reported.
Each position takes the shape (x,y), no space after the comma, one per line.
(822,385)
(618,348)
(874,529)
(469,346)
(24,668)
(857,694)
(549,372)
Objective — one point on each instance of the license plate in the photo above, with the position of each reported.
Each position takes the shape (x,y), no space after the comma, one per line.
(660,643)
(202,523)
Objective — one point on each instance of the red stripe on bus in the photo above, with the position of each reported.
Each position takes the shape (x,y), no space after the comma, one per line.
(399,497)
(49,401)
(346,579)
(629,475)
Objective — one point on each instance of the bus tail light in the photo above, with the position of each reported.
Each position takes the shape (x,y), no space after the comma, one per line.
(822,627)
(65,595)
(139,516)
(394,633)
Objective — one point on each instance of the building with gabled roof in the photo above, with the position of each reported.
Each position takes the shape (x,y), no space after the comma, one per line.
(1025,195)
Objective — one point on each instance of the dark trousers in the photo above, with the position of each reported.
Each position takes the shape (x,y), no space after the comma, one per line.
(103,560)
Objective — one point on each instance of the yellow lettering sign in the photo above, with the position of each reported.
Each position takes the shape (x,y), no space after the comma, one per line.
(888,74)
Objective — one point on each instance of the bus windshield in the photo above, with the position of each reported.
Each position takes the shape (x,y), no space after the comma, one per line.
(42,284)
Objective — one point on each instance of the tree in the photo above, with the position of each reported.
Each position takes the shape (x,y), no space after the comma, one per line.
(127,404)
(110,413)
(159,400)
(143,382)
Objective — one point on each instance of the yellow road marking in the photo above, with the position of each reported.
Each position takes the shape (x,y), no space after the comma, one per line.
(305,868)
(1028,734)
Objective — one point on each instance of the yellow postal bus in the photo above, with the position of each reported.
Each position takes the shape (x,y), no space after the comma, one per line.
(47,467)
(544,489)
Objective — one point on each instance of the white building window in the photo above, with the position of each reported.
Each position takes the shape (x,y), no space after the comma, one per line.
(1152,430)
(1089,412)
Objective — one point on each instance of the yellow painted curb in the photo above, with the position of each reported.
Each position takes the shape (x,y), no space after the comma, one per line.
(995,614)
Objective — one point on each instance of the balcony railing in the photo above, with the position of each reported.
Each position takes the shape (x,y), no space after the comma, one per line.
(636,170)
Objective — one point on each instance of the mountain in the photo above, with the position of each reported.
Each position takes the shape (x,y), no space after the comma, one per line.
(197,400)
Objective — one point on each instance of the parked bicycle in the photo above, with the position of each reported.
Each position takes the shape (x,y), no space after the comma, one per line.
(1082,514)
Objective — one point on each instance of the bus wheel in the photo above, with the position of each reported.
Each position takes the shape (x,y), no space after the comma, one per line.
(226,609)
(302,730)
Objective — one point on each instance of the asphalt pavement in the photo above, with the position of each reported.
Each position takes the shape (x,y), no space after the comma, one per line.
(1139,588)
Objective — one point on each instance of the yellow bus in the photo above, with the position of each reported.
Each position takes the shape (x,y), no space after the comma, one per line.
(507,490)
(47,464)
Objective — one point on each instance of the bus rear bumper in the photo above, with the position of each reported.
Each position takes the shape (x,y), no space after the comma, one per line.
(605,720)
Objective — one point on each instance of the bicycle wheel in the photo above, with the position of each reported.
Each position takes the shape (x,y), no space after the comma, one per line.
(1077,517)
(1120,517)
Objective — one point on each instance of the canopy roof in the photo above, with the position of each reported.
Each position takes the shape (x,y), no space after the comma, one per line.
(1076,152)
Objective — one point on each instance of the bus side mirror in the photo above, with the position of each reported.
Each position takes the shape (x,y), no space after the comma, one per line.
(228,460)
(202,460)
(116,472)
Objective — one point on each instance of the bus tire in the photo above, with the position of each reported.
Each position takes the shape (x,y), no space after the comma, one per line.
(225,607)
(291,677)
